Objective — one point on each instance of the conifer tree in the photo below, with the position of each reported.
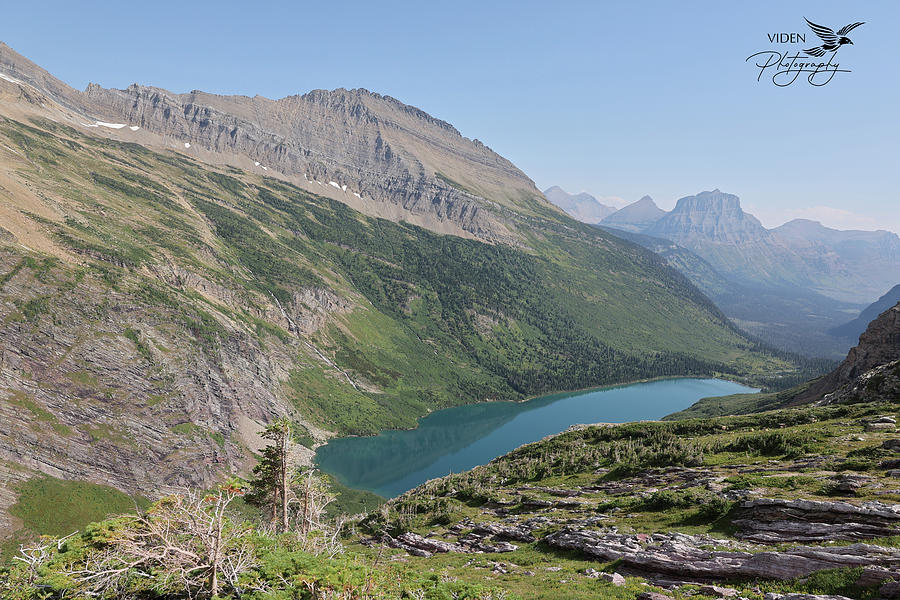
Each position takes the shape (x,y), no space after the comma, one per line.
(271,486)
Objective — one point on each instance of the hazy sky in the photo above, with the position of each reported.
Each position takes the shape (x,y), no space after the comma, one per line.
(619,99)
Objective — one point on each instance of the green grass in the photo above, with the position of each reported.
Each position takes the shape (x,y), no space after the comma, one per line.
(349,501)
(50,506)
(41,415)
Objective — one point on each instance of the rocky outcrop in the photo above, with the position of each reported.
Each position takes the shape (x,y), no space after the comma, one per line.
(688,556)
(869,366)
(771,521)
(418,545)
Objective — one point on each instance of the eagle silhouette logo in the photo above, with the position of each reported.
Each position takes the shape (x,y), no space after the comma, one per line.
(831,41)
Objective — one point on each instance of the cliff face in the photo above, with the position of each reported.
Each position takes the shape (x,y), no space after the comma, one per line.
(376,150)
(373,152)
(866,367)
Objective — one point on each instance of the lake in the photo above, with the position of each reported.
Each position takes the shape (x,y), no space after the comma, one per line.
(459,438)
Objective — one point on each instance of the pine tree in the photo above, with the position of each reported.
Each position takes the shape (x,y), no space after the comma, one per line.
(271,486)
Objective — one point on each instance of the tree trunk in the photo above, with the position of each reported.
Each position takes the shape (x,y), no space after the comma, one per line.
(284,482)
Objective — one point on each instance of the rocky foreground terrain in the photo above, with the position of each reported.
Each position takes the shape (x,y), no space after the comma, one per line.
(794,501)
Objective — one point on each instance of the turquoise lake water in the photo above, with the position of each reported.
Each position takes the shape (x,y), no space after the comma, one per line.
(459,438)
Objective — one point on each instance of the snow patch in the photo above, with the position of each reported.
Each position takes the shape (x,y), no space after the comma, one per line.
(334,184)
(102,124)
(9,79)
(134,128)
(187,145)
(357,195)
(264,168)
(256,163)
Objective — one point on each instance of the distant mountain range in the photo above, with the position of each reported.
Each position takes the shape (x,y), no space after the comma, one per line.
(854,328)
(791,285)
(583,206)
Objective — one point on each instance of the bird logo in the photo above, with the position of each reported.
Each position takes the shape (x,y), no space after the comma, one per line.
(831,40)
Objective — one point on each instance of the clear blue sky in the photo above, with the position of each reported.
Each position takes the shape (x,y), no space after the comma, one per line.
(618,98)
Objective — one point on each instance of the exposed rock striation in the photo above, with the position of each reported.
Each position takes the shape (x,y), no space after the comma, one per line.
(688,557)
(771,521)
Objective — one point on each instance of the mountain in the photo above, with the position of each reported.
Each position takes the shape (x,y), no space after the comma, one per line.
(850,265)
(854,328)
(713,225)
(583,206)
(710,216)
(789,285)
(637,217)
(870,371)
(372,152)
(162,297)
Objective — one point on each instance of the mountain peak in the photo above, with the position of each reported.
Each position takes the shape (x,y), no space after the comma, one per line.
(636,217)
(712,215)
(582,206)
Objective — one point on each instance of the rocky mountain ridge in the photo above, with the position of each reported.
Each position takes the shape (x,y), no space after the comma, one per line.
(370,151)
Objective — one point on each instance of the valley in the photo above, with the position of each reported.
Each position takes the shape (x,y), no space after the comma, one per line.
(330,346)
(159,303)
(793,286)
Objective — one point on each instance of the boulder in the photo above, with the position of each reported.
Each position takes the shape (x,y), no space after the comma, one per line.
(715,590)
(613,578)
(881,427)
(508,532)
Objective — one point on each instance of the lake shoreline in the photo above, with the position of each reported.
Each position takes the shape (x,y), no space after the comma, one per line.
(596,388)
(463,436)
